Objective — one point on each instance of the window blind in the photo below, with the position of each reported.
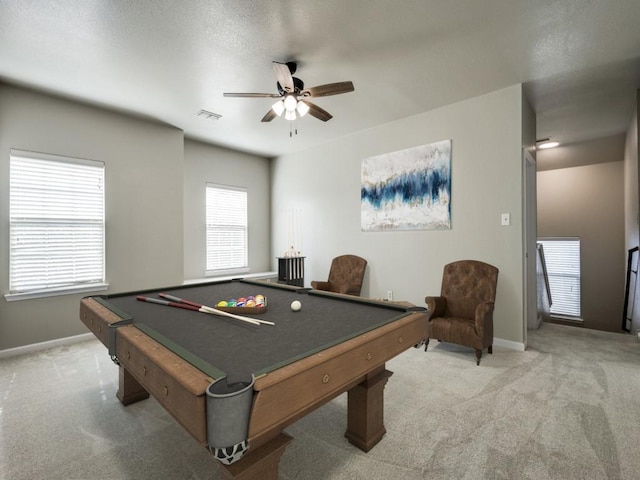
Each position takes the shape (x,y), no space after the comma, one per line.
(562,256)
(226,212)
(56,224)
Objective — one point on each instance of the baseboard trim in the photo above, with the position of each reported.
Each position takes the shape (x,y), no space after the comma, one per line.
(500,342)
(36,347)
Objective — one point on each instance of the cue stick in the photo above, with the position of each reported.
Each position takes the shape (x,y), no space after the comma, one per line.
(215,311)
(191,307)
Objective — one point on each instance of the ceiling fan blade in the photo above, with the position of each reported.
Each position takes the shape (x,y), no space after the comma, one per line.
(283,75)
(319,113)
(328,89)
(253,95)
(270,115)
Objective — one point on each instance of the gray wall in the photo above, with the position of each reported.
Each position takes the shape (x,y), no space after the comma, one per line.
(588,202)
(207,163)
(632,200)
(589,152)
(146,169)
(152,204)
(324,185)
(529,207)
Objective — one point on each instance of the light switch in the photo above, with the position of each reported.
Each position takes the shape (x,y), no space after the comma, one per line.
(506,219)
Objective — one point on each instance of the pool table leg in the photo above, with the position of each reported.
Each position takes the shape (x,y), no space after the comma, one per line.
(129,390)
(259,464)
(365,410)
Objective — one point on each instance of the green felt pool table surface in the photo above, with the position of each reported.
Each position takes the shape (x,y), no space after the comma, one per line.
(221,346)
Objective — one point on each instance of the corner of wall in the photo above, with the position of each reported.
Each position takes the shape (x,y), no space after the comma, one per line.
(632,197)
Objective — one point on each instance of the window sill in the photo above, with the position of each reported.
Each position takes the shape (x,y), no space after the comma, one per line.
(257,276)
(230,272)
(565,320)
(95,287)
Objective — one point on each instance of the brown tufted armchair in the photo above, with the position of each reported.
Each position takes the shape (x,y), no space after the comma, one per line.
(345,275)
(463,313)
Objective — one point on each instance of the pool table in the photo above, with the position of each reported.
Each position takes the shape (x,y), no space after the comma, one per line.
(334,344)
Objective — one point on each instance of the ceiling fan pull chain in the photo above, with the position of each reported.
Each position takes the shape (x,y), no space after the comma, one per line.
(292,129)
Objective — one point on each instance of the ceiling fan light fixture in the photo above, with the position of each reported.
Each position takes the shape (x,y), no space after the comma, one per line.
(278,107)
(292,95)
(302,108)
(290,102)
(290,114)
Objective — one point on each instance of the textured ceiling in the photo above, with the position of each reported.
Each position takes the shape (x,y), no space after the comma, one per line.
(578,59)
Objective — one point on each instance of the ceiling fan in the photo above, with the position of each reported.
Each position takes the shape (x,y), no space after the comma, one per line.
(293,96)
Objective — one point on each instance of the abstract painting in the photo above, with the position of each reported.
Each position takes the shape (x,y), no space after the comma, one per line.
(407,190)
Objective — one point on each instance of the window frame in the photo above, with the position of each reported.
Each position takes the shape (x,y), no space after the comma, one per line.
(568,271)
(73,285)
(211,187)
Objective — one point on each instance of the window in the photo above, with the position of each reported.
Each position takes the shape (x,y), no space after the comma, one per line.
(562,256)
(227,244)
(56,225)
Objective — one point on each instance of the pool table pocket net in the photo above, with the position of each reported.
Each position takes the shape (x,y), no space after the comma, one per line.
(228,411)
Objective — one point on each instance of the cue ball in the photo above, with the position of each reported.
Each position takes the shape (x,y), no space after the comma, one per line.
(296,305)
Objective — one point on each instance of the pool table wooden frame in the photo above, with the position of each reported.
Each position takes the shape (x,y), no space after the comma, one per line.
(281,397)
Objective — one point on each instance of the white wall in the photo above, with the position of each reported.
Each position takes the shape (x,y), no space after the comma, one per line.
(207,163)
(324,185)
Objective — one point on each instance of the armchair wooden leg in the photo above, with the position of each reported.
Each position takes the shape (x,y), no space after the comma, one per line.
(426,344)
(491,349)
(478,355)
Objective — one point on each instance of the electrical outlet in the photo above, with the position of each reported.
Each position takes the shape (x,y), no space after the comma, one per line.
(390,295)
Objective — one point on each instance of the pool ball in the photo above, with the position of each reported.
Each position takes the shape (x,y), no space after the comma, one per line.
(221,303)
(296,305)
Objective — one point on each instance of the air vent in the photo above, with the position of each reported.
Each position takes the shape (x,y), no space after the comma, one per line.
(208,115)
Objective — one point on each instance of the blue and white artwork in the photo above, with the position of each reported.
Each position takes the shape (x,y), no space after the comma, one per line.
(407,190)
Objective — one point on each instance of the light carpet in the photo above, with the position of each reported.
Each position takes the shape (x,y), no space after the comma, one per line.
(567,408)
